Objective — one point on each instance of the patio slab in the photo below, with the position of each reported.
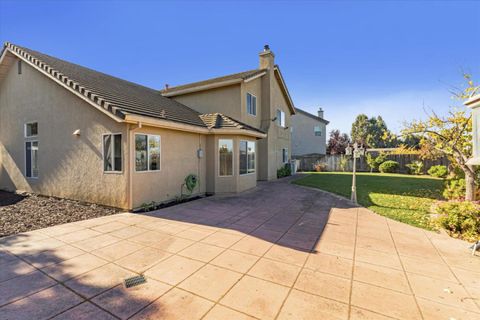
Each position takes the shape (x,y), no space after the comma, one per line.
(277,252)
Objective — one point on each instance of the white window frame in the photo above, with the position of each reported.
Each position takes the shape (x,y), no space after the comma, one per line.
(246,103)
(255,153)
(25,159)
(25,129)
(315,131)
(280,112)
(113,153)
(286,158)
(148,153)
(233,157)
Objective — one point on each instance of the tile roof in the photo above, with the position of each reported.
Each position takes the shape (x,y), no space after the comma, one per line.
(120,97)
(221,121)
(240,76)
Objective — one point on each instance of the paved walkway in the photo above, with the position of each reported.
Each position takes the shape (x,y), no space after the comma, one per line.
(279,252)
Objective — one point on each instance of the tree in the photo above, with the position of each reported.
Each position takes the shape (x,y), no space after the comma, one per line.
(337,142)
(372,132)
(450,135)
(375,162)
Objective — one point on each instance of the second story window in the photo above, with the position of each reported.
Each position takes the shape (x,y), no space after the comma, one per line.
(31,129)
(281,118)
(318,131)
(251,104)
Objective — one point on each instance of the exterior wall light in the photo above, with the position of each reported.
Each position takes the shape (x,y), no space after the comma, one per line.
(76,132)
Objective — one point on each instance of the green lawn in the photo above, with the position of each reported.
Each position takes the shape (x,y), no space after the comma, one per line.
(405,198)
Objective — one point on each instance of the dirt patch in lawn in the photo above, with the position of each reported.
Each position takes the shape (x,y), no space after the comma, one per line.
(27,212)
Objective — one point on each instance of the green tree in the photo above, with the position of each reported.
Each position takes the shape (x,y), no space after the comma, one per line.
(372,132)
(450,135)
(375,162)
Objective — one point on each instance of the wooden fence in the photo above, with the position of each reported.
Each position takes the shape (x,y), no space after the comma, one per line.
(332,162)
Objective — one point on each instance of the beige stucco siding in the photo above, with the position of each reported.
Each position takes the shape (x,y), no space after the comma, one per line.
(253,87)
(236,182)
(304,140)
(178,159)
(224,100)
(278,137)
(69,166)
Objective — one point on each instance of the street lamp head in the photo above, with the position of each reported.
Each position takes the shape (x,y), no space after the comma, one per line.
(348,151)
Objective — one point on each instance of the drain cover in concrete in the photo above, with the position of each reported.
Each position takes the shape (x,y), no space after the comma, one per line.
(134,281)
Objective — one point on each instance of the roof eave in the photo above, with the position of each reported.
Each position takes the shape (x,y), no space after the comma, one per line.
(285,90)
(209,86)
(473,102)
(173,125)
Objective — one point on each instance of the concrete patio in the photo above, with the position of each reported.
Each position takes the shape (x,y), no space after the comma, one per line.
(278,252)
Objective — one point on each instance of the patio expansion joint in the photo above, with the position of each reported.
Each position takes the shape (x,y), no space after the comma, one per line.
(353,266)
(61,283)
(403,269)
(475,301)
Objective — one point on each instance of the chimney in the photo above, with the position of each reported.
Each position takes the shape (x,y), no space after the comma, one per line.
(166,86)
(320,112)
(267,60)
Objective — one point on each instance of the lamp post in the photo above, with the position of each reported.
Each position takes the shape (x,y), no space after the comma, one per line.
(356,152)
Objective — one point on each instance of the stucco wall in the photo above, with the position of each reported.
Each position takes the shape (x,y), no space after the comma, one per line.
(69,166)
(178,159)
(304,140)
(253,87)
(225,100)
(236,182)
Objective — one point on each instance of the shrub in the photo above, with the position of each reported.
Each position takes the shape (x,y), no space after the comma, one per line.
(343,162)
(375,162)
(454,189)
(284,171)
(320,167)
(438,171)
(460,219)
(388,166)
(416,167)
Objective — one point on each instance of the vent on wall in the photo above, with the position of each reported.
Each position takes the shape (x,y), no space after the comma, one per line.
(19,66)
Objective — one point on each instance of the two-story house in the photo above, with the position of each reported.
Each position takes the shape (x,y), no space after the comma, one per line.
(73,132)
(309,133)
(257,97)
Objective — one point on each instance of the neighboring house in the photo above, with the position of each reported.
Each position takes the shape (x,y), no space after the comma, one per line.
(309,133)
(72,132)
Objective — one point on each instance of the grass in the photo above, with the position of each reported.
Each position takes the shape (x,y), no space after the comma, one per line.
(404,198)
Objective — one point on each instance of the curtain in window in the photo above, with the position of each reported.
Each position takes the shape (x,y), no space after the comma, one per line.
(107,153)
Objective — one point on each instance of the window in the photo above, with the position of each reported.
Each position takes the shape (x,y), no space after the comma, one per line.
(19,66)
(31,159)
(247,157)
(225,152)
(251,104)
(31,129)
(147,152)
(284,155)
(317,131)
(112,152)
(281,118)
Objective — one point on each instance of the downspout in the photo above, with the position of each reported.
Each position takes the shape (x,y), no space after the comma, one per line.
(131,162)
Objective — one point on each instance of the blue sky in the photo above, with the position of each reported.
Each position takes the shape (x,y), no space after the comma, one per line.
(379,58)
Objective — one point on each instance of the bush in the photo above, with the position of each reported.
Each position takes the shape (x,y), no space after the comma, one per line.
(388,166)
(285,171)
(454,189)
(375,162)
(460,219)
(343,162)
(438,171)
(320,167)
(416,167)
